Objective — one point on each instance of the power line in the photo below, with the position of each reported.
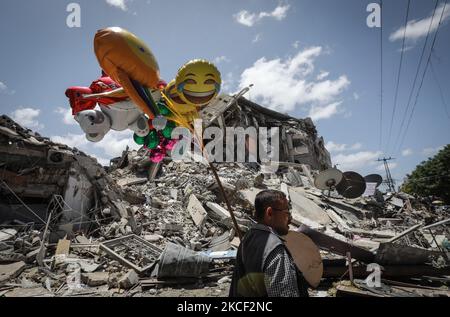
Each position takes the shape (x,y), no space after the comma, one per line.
(398,76)
(415,78)
(423,76)
(381,74)
(444,104)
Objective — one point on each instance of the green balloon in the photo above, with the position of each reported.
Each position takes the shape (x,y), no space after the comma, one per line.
(152,139)
(167,131)
(139,139)
(163,109)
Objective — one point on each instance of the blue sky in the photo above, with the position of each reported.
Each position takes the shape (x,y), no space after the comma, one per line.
(313,58)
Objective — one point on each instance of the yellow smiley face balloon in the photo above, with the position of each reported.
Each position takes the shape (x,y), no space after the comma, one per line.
(179,104)
(198,82)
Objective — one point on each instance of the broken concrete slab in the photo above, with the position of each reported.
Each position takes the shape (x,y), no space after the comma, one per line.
(196,210)
(153,237)
(129,280)
(63,247)
(10,271)
(217,212)
(95,279)
(342,225)
(235,242)
(7,234)
(357,212)
(31,256)
(128,181)
(29,292)
(220,243)
(397,202)
(220,214)
(82,240)
(440,238)
(304,207)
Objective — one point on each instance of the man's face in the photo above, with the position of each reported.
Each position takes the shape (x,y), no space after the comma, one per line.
(279,217)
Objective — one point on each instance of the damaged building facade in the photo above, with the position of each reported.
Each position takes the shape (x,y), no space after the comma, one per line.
(39,177)
(298,139)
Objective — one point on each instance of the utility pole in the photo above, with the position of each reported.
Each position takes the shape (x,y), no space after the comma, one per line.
(389,181)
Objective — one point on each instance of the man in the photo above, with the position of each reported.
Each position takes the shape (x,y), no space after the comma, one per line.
(264,267)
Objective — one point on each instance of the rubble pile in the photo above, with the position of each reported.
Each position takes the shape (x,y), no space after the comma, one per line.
(136,228)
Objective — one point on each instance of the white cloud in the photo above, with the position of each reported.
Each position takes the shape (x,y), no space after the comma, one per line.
(279,13)
(221,59)
(296,44)
(249,19)
(407,48)
(112,145)
(80,142)
(27,117)
(355,96)
(357,160)
(227,84)
(416,29)
(322,75)
(356,146)
(407,152)
(381,167)
(431,151)
(257,38)
(336,147)
(5,90)
(115,142)
(101,160)
(67,115)
(72,140)
(324,112)
(121,4)
(283,84)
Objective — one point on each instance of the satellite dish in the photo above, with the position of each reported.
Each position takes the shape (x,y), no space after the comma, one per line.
(306,256)
(374,178)
(352,185)
(328,179)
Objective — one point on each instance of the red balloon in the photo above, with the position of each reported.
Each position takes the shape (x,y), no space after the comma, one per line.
(77,101)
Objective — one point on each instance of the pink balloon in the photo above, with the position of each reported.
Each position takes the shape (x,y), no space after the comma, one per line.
(170,144)
(158,154)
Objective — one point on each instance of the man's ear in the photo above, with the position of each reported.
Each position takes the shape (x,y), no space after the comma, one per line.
(269,212)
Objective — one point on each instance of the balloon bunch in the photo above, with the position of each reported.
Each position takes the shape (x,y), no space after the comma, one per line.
(131,94)
(159,140)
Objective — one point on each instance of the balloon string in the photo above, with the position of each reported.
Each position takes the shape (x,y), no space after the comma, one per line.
(219,183)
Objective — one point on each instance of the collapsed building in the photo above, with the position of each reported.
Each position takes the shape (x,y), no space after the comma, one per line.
(70,227)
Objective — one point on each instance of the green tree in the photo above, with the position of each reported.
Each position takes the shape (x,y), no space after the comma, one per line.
(431,177)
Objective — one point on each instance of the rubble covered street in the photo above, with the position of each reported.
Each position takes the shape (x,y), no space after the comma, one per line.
(70,227)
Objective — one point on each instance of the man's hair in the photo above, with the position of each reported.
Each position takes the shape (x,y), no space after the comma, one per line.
(265,199)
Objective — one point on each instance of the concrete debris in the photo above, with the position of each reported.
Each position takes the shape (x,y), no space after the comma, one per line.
(129,280)
(196,210)
(7,234)
(95,279)
(135,223)
(10,271)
